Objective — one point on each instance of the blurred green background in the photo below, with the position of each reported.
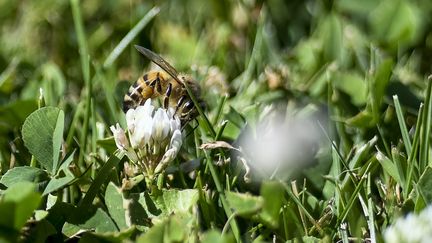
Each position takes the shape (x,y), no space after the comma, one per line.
(346,57)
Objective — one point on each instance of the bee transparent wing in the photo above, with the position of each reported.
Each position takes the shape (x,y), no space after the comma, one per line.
(160,62)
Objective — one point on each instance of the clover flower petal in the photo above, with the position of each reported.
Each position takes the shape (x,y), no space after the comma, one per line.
(120,137)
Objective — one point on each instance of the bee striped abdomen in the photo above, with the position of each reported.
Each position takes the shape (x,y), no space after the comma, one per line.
(144,88)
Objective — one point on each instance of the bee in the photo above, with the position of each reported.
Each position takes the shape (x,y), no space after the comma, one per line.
(168,85)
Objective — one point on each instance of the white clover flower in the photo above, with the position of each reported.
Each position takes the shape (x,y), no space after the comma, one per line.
(412,228)
(279,147)
(154,136)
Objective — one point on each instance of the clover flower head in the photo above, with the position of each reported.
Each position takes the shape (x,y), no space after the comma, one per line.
(154,137)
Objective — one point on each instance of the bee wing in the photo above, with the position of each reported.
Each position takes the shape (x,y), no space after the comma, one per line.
(160,62)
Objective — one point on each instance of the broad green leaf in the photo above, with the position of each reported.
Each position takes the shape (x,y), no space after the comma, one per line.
(307,54)
(57,183)
(59,213)
(122,236)
(42,134)
(380,80)
(396,22)
(173,201)
(114,203)
(389,167)
(273,194)
(424,186)
(353,85)
(40,214)
(25,173)
(214,236)
(64,176)
(175,228)
(162,205)
(17,205)
(90,218)
(155,234)
(244,204)
(40,231)
(362,119)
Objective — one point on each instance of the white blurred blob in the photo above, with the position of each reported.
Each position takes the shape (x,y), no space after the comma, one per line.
(278,147)
(412,228)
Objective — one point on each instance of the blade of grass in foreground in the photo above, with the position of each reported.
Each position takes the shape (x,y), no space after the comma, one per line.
(412,162)
(85,65)
(371,216)
(402,125)
(101,177)
(426,123)
(130,36)
(223,200)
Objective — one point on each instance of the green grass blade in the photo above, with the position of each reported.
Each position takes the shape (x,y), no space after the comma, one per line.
(74,124)
(426,124)
(219,110)
(82,43)
(101,177)
(85,66)
(300,205)
(223,200)
(402,125)
(130,36)
(412,161)
(370,216)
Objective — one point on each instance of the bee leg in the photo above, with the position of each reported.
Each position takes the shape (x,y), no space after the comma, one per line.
(158,84)
(167,95)
(180,103)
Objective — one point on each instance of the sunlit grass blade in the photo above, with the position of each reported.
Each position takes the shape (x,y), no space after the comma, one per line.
(219,110)
(412,161)
(370,206)
(130,36)
(354,195)
(402,125)
(221,129)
